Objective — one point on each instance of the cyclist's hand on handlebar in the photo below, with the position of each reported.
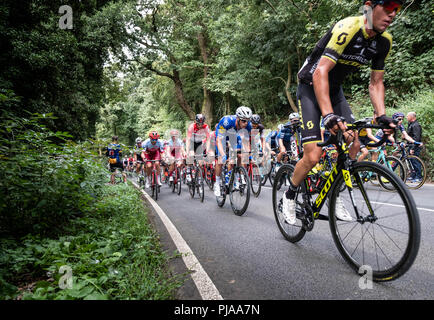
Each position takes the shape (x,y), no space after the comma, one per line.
(387,121)
(334,123)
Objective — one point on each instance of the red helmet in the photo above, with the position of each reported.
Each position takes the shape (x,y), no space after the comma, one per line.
(154,135)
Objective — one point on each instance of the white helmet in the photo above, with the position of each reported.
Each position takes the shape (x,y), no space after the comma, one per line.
(244,112)
(280,127)
(138,139)
(294,116)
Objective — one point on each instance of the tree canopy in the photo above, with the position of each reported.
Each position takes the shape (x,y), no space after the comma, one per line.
(128,66)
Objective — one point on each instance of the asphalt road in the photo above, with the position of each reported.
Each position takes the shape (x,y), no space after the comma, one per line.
(247,257)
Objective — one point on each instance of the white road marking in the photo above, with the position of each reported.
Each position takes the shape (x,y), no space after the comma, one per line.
(384,203)
(398,205)
(204,284)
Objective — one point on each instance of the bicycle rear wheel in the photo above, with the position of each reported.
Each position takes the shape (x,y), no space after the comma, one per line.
(239,190)
(209,176)
(292,233)
(191,184)
(255,180)
(178,181)
(198,181)
(395,165)
(386,234)
(411,163)
(154,185)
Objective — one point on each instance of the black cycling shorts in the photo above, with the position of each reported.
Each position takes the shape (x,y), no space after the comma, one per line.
(287,145)
(364,142)
(311,114)
(115,166)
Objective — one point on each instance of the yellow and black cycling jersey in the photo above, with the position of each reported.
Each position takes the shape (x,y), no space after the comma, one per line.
(348,45)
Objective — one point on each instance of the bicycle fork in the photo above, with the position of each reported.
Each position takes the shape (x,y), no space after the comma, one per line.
(347,173)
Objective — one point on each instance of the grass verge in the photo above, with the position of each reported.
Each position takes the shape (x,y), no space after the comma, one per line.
(110,252)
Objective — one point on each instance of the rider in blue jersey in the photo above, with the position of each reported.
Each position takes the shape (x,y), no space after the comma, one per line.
(271,141)
(229,128)
(285,135)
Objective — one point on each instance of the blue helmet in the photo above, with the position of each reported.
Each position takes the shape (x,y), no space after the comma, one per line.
(384,1)
(397,115)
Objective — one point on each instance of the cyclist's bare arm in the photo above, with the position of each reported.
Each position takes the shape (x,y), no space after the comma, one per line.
(321,87)
(370,135)
(376,92)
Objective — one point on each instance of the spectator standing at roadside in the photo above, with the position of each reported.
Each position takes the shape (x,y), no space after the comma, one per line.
(414,130)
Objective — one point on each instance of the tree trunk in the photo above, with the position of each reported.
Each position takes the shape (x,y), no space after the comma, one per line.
(180,97)
(207,105)
(287,86)
(227,99)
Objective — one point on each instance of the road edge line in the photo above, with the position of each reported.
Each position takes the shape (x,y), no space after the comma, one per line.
(204,284)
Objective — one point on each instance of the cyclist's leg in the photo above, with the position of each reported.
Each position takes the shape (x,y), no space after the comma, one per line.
(416,164)
(157,165)
(311,133)
(148,169)
(113,173)
(363,148)
(138,166)
(280,154)
(342,108)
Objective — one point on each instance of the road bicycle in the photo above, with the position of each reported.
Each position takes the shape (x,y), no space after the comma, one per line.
(236,184)
(384,233)
(155,188)
(390,162)
(291,156)
(196,183)
(286,159)
(412,165)
(176,183)
(209,175)
(255,176)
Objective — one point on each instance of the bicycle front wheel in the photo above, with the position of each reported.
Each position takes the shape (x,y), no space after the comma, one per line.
(384,233)
(191,184)
(154,184)
(239,191)
(292,233)
(199,183)
(178,181)
(221,200)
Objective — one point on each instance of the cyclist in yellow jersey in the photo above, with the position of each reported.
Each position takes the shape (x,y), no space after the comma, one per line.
(349,44)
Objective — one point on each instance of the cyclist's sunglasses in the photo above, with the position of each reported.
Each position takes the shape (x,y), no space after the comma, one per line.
(392,6)
(399,119)
(154,140)
(244,120)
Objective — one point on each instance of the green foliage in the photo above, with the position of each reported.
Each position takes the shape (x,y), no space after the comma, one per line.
(112,251)
(141,105)
(43,183)
(51,70)
(423,104)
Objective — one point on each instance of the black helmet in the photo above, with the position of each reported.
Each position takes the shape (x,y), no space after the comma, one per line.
(200,118)
(256,119)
